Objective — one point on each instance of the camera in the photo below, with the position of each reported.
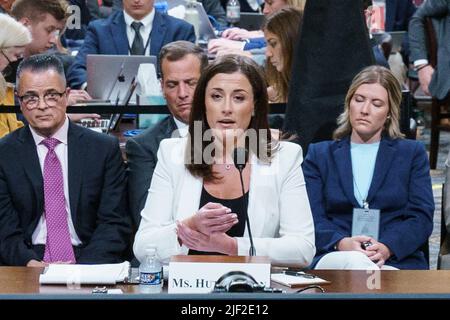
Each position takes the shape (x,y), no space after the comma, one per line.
(366,244)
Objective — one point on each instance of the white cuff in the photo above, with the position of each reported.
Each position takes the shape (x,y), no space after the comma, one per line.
(420,62)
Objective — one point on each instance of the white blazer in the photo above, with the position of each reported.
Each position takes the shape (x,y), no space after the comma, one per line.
(278,206)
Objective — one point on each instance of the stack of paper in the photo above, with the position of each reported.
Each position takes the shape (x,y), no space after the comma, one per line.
(296,281)
(71,274)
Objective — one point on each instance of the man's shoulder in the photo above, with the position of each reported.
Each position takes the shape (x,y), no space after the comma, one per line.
(153,133)
(92,136)
(12,139)
(100,24)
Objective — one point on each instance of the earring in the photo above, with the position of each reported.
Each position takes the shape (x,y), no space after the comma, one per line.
(253,113)
(388,117)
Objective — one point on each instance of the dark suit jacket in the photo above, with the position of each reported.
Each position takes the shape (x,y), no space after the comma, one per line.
(400,188)
(439,10)
(142,159)
(109,36)
(398,13)
(97,183)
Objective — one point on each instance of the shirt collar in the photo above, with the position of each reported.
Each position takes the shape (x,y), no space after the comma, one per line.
(183,128)
(60,135)
(146,21)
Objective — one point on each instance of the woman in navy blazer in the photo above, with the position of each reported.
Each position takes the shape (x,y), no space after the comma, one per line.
(369,163)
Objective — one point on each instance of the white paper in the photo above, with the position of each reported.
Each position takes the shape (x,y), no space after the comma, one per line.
(148,84)
(177,12)
(71,274)
(295,281)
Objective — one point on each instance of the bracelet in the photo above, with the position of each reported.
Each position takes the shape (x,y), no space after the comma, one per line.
(422,66)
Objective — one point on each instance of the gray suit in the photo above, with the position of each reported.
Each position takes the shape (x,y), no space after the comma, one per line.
(141,155)
(439,11)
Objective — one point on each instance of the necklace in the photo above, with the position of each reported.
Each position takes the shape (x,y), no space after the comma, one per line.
(228,166)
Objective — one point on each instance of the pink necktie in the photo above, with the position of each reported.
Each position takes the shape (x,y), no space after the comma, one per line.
(58,246)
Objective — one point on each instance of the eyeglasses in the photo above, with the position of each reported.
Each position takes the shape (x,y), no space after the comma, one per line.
(51,99)
(8,69)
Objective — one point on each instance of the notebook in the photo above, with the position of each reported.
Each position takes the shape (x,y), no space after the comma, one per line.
(296,281)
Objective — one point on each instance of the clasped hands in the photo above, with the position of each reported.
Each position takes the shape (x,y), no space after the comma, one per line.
(206,230)
(377,252)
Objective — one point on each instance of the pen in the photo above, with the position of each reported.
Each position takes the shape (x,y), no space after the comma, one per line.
(299,274)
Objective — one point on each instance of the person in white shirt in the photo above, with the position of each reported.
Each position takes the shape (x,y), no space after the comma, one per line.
(196,204)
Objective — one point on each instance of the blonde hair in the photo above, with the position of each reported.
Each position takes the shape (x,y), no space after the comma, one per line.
(299,4)
(14,34)
(385,78)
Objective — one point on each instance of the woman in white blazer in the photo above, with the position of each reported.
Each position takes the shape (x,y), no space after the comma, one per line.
(194,205)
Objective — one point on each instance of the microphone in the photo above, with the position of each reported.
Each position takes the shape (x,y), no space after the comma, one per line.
(240,158)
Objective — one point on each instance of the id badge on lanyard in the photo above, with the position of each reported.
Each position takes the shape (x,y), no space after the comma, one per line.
(366,222)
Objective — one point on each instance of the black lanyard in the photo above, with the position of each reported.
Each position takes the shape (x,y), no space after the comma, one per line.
(146,45)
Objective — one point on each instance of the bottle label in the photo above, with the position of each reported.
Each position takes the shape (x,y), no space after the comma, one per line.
(233,13)
(151,278)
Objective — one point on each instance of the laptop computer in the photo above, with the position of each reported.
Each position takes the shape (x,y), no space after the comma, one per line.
(251,21)
(396,36)
(109,76)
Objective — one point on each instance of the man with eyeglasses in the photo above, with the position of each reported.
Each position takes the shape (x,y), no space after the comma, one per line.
(62,186)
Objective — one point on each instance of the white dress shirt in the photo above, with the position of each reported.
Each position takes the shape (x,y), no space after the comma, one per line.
(40,233)
(183,128)
(145,30)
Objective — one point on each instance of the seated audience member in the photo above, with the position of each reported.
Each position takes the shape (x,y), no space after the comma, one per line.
(13,39)
(248,40)
(370,166)
(194,205)
(118,35)
(433,82)
(281,33)
(182,63)
(62,186)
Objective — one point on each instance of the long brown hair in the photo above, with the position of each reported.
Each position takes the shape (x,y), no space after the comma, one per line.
(384,77)
(286,25)
(229,64)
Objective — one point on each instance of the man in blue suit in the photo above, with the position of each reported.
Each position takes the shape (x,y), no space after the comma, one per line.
(117,35)
(62,186)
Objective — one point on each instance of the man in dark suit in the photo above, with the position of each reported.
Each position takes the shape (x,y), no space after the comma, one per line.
(181,66)
(117,35)
(62,187)
(433,82)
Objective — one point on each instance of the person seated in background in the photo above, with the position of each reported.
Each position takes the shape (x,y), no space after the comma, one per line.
(13,39)
(244,40)
(138,29)
(433,82)
(370,189)
(45,19)
(182,63)
(196,206)
(281,31)
(62,186)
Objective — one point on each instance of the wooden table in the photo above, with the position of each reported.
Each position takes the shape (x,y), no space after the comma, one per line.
(22,280)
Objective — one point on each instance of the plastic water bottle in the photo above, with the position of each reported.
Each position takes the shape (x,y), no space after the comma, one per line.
(191,16)
(151,273)
(233,12)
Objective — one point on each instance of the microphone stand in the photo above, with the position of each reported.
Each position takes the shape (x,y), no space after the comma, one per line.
(240,167)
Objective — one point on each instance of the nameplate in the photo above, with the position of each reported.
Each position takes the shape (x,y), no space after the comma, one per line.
(198,274)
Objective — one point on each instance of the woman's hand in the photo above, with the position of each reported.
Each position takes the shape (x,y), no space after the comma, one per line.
(215,242)
(212,217)
(355,244)
(237,34)
(380,253)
